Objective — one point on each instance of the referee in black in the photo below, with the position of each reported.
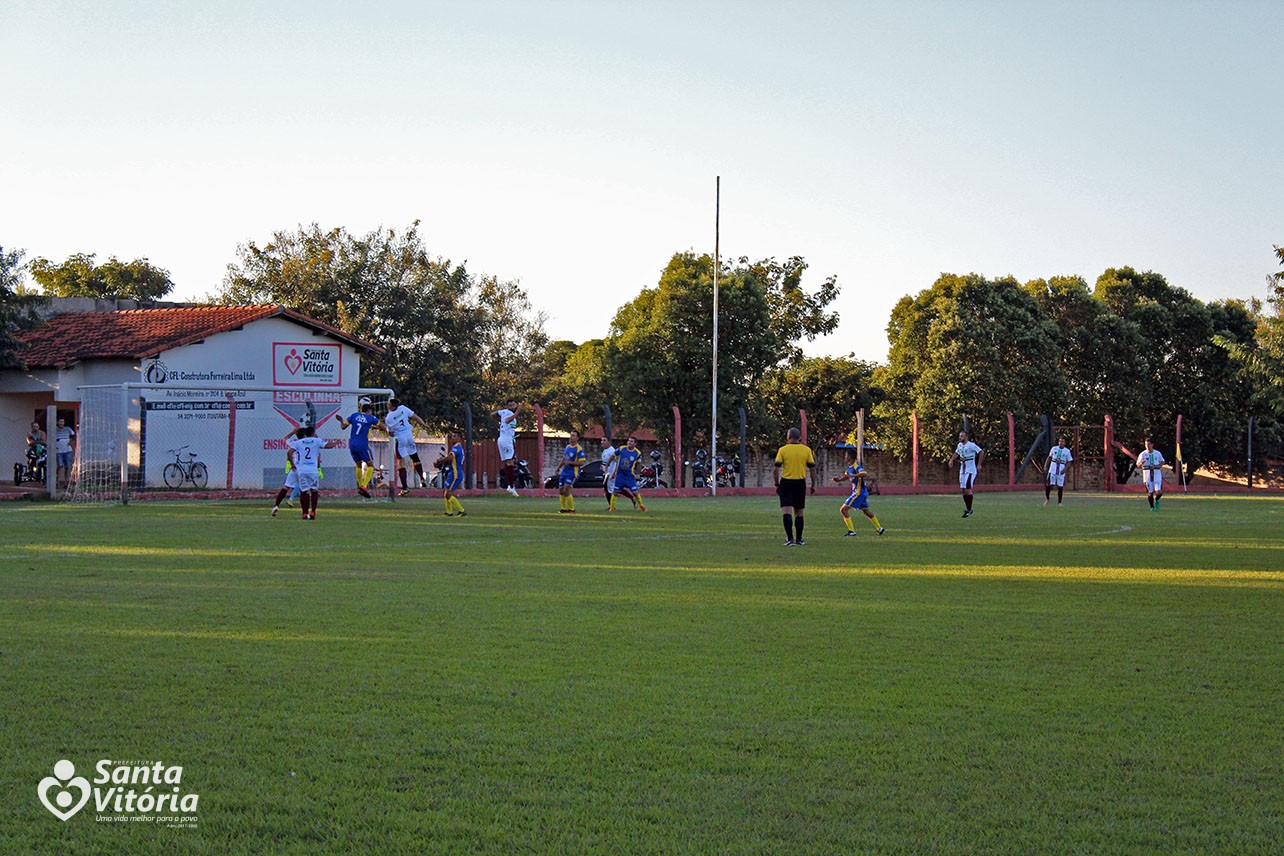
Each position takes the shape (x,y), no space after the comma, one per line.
(793,462)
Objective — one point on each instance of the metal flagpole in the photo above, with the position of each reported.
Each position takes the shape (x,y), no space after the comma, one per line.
(713,439)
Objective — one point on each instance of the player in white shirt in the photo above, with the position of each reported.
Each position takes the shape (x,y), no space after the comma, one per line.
(507,442)
(305,456)
(609,455)
(1059,458)
(1151,463)
(399,421)
(969,456)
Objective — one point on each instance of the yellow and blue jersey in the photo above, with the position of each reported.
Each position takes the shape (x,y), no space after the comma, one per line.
(626,467)
(573,458)
(454,469)
(860,490)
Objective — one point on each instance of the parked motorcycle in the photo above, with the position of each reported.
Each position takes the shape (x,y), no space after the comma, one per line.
(34,469)
(651,476)
(728,472)
(699,469)
(522,478)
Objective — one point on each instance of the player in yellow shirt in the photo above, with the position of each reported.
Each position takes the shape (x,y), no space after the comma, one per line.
(793,463)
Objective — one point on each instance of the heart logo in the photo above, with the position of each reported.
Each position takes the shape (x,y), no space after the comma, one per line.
(63,803)
(293,362)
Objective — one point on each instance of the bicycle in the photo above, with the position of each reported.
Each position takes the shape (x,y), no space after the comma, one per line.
(185,469)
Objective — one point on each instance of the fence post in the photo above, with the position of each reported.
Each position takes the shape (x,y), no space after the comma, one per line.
(914,448)
(744,450)
(1011,449)
(1110,454)
(539,448)
(860,436)
(679,474)
(1250,453)
(231,435)
(468,445)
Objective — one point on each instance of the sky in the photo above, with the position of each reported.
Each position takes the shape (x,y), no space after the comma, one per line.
(574,146)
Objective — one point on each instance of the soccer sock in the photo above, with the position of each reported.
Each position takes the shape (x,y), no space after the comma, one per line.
(561,500)
(280,496)
(449,509)
(294,494)
(874,520)
(457,505)
(303,503)
(1150,498)
(967,500)
(570,502)
(851,527)
(612,502)
(1060,491)
(402,472)
(1047,492)
(510,475)
(316,497)
(789,526)
(363,476)
(798,523)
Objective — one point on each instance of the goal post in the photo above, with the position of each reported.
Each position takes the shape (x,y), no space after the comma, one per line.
(135,438)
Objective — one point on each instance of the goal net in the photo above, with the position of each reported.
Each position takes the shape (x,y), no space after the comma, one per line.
(157,438)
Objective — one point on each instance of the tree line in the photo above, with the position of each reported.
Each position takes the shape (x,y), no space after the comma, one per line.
(1132,345)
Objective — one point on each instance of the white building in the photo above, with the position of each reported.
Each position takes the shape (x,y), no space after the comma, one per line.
(230,346)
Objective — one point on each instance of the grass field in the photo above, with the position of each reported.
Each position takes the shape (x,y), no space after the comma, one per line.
(1092,679)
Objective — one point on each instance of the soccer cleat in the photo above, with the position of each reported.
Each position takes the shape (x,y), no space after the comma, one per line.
(800,543)
(967,513)
(512,491)
(641,507)
(563,511)
(849,534)
(791,544)
(448,514)
(275,509)
(288,503)
(463,514)
(1157,499)
(1045,503)
(363,492)
(403,492)
(882,529)
(312,515)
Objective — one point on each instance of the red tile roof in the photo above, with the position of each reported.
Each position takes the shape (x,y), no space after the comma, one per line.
(134,334)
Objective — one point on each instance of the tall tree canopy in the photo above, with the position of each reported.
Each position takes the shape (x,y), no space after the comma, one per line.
(17,309)
(441,329)
(659,352)
(967,346)
(78,276)
(830,389)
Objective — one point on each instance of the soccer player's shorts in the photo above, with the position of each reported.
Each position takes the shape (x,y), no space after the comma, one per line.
(967,475)
(292,478)
(792,492)
(361,454)
(625,482)
(858,500)
(1154,480)
(452,479)
(406,446)
(1057,479)
(308,479)
(506,451)
(566,476)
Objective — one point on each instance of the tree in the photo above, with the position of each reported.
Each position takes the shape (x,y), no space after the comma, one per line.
(830,389)
(967,346)
(512,342)
(17,309)
(78,276)
(660,350)
(575,396)
(386,288)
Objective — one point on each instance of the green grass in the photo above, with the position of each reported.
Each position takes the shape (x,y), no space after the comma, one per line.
(1097,678)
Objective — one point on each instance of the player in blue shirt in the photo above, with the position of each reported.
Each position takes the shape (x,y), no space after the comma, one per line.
(452,474)
(359,424)
(624,465)
(859,498)
(573,458)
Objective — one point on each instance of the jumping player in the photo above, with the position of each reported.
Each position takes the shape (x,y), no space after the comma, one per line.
(452,474)
(507,443)
(624,474)
(399,423)
(1151,463)
(359,424)
(573,458)
(1059,458)
(859,498)
(969,456)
